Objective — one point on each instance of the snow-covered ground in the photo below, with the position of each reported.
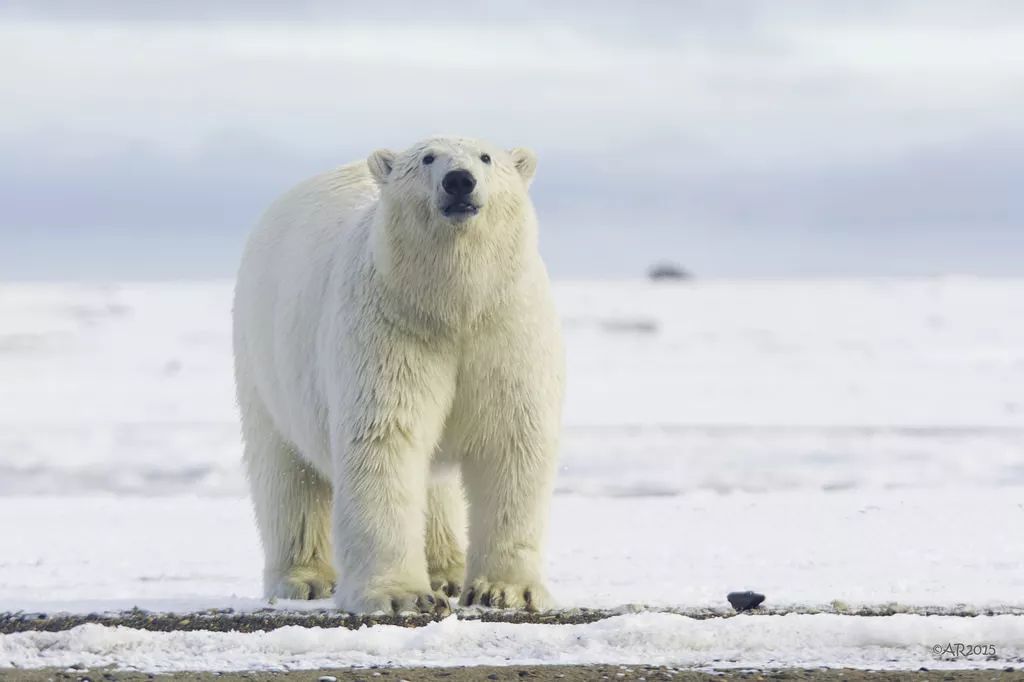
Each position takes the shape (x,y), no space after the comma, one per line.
(894,642)
(722,386)
(860,441)
(808,548)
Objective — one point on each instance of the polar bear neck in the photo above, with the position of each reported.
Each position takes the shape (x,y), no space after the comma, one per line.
(449,278)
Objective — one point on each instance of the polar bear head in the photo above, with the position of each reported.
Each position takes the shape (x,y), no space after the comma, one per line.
(454,182)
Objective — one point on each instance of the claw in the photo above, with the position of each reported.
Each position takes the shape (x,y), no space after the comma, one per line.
(499,595)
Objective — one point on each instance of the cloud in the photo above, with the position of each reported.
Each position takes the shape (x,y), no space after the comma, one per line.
(739,121)
(802,90)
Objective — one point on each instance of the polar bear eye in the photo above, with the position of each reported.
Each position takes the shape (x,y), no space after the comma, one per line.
(428,159)
(486,158)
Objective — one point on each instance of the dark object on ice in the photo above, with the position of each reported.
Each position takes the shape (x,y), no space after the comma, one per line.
(667,271)
(744,601)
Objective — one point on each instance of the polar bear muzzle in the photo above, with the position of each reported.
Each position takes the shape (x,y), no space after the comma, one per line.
(459,185)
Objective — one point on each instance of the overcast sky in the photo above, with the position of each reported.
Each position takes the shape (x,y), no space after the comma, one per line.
(143,139)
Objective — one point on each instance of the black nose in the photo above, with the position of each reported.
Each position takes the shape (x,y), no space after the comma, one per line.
(458,183)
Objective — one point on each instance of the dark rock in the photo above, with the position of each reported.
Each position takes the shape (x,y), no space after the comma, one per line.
(744,601)
(667,272)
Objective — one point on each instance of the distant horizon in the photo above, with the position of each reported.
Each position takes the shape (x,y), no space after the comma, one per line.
(625,279)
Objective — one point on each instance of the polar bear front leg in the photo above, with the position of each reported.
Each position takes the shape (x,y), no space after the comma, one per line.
(509,485)
(382,454)
(379,528)
(508,413)
(508,519)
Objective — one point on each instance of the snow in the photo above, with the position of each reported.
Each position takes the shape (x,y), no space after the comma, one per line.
(649,638)
(860,441)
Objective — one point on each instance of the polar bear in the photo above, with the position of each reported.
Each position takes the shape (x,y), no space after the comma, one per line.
(397,355)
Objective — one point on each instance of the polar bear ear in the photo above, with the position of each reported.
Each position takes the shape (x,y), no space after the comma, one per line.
(525,162)
(381,162)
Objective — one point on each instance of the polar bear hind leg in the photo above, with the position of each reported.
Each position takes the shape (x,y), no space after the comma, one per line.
(293,511)
(446,534)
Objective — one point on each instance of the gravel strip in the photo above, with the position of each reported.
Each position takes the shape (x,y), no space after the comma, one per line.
(226,620)
(560,673)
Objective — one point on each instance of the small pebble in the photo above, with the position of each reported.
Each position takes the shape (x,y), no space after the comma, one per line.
(327,678)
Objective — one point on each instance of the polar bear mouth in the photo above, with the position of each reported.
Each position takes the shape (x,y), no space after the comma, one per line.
(460,209)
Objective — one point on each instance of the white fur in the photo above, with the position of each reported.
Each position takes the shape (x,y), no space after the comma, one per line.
(383,353)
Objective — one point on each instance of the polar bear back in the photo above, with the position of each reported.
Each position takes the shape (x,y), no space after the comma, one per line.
(284,285)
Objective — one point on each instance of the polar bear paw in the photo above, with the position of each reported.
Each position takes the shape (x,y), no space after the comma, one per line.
(447,581)
(304,582)
(420,602)
(501,595)
(402,602)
